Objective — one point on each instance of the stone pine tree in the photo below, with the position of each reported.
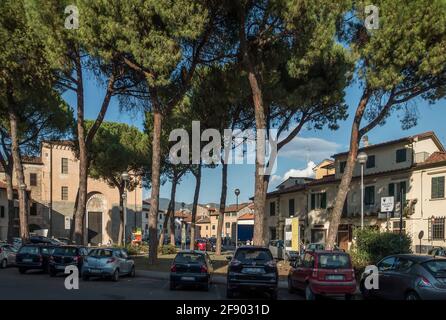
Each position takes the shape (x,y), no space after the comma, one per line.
(29,107)
(404,58)
(69,48)
(297,72)
(163,41)
(118,148)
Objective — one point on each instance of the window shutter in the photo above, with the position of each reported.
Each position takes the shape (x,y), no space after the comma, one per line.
(324,200)
(313,201)
(391,190)
(441,187)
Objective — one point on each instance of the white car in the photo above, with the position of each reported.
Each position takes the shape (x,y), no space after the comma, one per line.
(7,255)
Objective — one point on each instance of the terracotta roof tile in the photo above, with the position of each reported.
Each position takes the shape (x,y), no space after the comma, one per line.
(437,156)
(246,216)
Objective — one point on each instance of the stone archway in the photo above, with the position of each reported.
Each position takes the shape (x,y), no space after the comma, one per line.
(96,208)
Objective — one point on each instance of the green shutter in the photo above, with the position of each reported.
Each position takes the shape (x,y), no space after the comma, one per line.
(313,201)
(437,187)
(441,187)
(391,190)
(324,200)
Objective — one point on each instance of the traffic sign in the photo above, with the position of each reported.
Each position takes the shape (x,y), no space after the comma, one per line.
(387,204)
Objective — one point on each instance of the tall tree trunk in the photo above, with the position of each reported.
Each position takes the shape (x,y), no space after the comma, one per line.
(81,204)
(18,166)
(172,227)
(170,213)
(261,184)
(221,215)
(10,197)
(121,216)
(194,207)
(154,201)
(355,138)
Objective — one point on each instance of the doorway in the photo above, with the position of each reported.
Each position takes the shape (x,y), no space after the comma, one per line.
(94,227)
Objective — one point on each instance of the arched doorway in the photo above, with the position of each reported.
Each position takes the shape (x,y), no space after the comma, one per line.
(96,206)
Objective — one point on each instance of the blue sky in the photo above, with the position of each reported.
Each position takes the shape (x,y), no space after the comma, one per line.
(310,146)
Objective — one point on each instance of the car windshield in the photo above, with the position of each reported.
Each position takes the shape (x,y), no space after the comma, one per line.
(189,258)
(101,253)
(65,251)
(29,250)
(334,261)
(248,256)
(436,267)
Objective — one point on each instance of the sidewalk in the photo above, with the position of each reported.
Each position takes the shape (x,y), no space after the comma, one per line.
(216,279)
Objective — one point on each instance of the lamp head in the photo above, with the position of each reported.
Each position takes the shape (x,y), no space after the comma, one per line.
(237,192)
(125,176)
(362,158)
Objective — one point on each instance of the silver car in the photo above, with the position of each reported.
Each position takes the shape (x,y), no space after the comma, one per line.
(7,255)
(409,277)
(107,263)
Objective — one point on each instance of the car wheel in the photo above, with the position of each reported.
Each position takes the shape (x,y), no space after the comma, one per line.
(52,273)
(172,286)
(22,270)
(290,286)
(412,295)
(365,293)
(115,276)
(206,286)
(348,297)
(4,264)
(85,277)
(132,272)
(309,294)
(273,295)
(229,293)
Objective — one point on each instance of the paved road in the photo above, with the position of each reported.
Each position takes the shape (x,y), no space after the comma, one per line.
(35,285)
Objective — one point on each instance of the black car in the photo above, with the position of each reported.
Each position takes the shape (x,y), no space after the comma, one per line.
(191,267)
(438,251)
(252,268)
(34,256)
(64,256)
(44,240)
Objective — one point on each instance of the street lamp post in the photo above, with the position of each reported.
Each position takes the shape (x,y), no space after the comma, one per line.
(125,178)
(23,189)
(362,159)
(237,193)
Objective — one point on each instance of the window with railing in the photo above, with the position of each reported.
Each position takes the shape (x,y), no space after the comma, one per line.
(437,228)
(396,227)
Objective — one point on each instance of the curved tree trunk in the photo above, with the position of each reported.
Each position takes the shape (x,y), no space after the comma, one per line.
(194,208)
(154,200)
(10,197)
(221,215)
(355,138)
(18,166)
(170,214)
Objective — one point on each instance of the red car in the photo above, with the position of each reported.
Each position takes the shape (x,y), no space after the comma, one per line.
(203,245)
(323,273)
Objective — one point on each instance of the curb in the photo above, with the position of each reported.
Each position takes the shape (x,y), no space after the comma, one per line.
(215,279)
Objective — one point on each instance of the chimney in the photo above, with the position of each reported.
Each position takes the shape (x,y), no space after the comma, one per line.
(365,141)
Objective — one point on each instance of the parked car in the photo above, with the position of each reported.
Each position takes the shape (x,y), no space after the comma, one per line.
(44,240)
(252,268)
(17,242)
(64,256)
(203,245)
(7,255)
(213,242)
(65,241)
(409,277)
(191,268)
(315,247)
(323,273)
(34,256)
(107,263)
(280,252)
(438,251)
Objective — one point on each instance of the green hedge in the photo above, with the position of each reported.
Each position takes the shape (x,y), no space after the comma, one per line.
(168,249)
(372,245)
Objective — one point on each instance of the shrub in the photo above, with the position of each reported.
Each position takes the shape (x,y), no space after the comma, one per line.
(168,249)
(372,245)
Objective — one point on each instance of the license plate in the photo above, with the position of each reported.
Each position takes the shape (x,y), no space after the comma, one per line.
(188,278)
(334,277)
(27,260)
(252,270)
(95,270)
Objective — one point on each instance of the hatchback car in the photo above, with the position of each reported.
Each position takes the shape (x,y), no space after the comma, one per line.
(323,273)
(107,263)
(409,277)
(191,268)
(438,251)
(252,268)
(34,256)
(203,245)
(64,256)
(7,255)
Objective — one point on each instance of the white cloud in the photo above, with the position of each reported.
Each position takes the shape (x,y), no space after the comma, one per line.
(275,179)
(306,172)
(305,149)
